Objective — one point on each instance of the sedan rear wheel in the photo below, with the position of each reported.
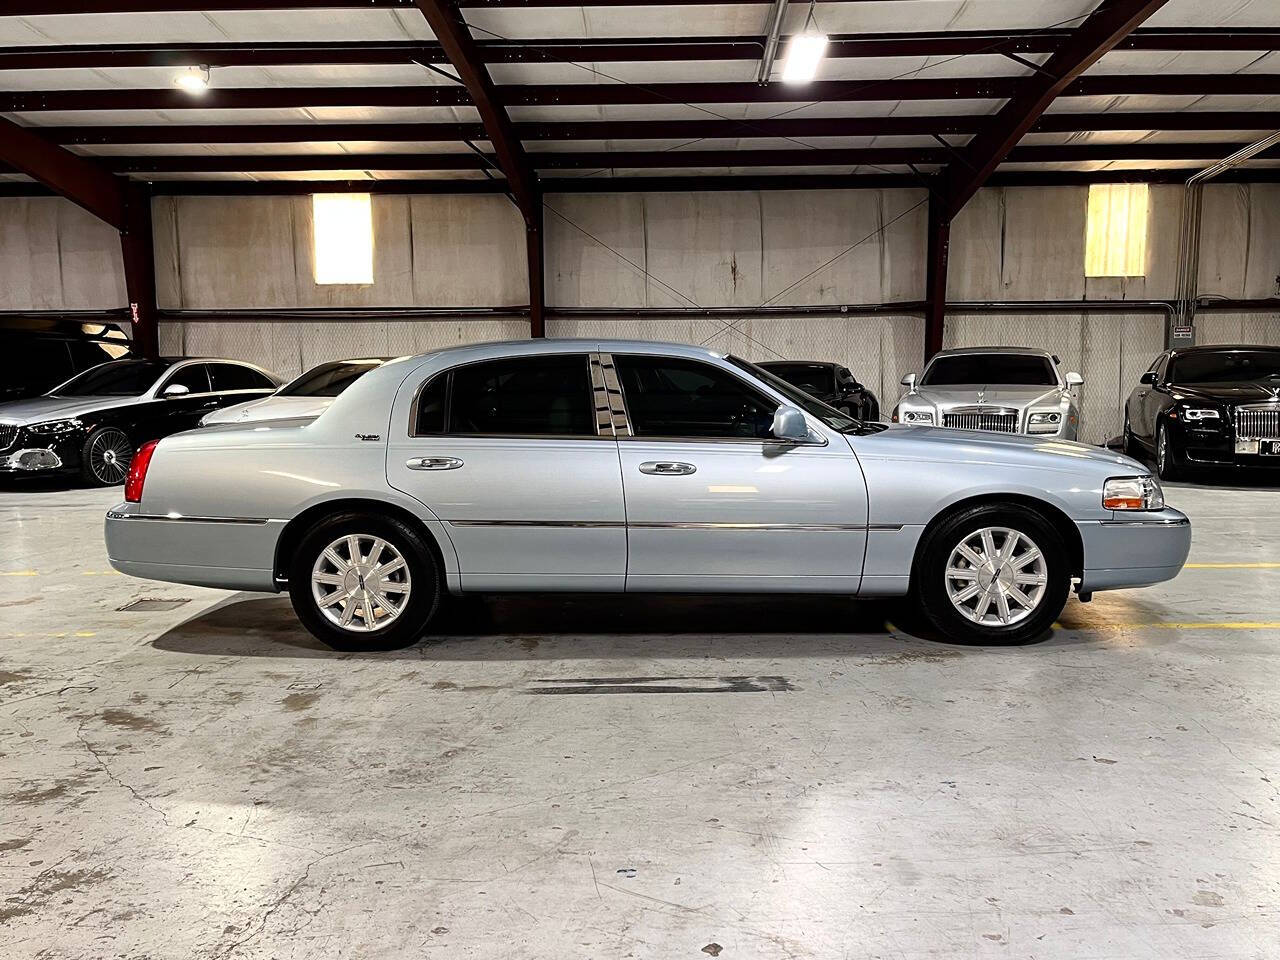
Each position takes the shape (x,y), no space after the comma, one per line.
(993,573)
(105,457)
(363,582)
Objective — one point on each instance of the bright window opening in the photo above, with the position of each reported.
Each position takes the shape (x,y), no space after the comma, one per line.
(343,226)
(1116,236)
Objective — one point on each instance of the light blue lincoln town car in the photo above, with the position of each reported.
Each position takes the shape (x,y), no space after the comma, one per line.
(623,466)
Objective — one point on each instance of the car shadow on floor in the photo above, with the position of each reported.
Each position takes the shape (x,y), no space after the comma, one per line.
(530,627)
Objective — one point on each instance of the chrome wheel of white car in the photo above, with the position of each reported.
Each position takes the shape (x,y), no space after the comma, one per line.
(996,576)
(361,583)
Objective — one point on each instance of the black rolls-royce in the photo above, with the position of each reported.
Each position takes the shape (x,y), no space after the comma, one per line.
(1212,406)
(831,383)
(96,420)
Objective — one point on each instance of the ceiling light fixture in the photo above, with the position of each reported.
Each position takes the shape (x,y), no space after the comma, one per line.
(805,51)
(193,79)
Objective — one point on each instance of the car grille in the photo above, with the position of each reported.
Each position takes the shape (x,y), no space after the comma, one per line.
(999,419)
(1258,423)
(8,434)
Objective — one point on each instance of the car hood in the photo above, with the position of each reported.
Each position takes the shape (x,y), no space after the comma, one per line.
(40,409)
(945,444)
(988,395)
(1227,392)
(270,408)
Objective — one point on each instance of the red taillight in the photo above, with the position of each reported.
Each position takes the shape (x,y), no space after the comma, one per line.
(138,471)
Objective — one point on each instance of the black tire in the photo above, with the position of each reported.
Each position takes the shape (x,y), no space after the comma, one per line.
(1167,467)
(873,411)
(929,580)
(424,575)
(105,457)
(1127,444)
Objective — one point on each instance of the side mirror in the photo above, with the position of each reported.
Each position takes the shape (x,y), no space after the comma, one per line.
(176,390)
(789,424)
(1074,379)
(1150,377)
(909,381)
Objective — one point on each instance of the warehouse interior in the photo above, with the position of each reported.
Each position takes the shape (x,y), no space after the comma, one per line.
(187,773)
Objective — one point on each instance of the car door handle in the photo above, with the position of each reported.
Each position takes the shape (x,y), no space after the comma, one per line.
(667,468)
(433,463)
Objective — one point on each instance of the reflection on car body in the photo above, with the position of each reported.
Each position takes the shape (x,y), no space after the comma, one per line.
(600,465)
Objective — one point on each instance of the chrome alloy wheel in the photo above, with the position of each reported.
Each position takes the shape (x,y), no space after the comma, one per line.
(109,456)
(996,576)
(360,582)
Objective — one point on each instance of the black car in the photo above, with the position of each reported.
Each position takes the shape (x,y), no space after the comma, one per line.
(1216,406)
(831,383)
(53,349)
(93,423)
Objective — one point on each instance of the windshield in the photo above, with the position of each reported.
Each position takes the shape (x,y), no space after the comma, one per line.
(117,378)
(832,417)
(812,378)
(1017,369)
(328,379)
(1226,366)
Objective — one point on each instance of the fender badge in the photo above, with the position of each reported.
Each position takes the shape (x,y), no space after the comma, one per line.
(368,436)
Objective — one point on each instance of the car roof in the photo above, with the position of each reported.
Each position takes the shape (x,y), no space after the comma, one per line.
(798,363)
(1023,351)
(1209,347)
(515,348)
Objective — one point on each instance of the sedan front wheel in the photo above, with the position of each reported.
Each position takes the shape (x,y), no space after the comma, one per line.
(995,574)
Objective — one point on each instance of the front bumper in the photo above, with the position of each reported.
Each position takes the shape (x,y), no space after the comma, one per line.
(30,460)
(1134,550)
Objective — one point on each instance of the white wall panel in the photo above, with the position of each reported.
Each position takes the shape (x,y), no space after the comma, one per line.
(56,256)
(246,252)
(290,346)
(1238,328)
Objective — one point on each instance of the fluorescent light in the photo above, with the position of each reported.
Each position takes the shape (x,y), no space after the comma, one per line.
(343,228)
(193,79)
(804,52)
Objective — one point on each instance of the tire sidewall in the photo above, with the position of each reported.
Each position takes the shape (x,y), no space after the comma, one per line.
(929,587)
(424,571)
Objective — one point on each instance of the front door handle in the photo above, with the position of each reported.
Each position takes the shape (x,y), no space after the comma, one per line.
(667,468)
(433,463)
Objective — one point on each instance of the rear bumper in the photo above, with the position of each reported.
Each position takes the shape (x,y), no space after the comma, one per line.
(231,553)
(1134,551)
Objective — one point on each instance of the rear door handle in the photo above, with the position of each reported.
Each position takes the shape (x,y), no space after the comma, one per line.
(433,463)
(667,468)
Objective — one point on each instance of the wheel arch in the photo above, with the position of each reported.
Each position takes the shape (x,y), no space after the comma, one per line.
(1054,515)
(293,531)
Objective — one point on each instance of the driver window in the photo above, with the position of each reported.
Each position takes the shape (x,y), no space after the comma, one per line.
(669,397)
(195,378)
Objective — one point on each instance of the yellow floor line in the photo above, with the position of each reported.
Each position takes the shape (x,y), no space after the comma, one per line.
(1232,566)
(19,573)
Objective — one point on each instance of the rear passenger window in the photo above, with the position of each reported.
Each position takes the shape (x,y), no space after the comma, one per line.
(518,396)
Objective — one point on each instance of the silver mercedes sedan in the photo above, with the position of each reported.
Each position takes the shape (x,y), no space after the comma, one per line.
(1004,389)
(622,466)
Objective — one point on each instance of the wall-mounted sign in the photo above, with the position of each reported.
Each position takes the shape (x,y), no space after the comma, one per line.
(1183,332)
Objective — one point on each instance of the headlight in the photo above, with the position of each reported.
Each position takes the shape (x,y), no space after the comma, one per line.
(1201,413)
(56,427)
(1044,422)
(917,416)
(1132,493)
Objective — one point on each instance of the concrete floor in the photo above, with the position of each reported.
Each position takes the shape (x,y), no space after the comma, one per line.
(570,778)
